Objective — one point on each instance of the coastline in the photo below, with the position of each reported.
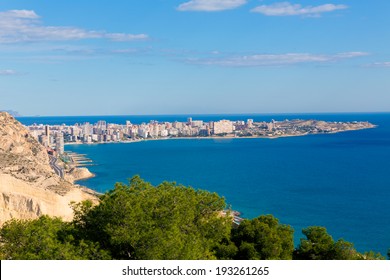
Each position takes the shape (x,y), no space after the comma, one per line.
(271,182)
(79,174)
(78,170)
(83,173)
(228,137)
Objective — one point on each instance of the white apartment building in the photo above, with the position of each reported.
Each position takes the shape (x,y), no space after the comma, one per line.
(223,126)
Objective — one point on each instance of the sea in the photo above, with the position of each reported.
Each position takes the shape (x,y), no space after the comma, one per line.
(340,181)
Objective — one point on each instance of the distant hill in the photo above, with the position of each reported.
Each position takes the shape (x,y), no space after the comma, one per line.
(29,187)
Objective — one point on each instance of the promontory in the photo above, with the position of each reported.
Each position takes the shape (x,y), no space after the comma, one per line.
(29,187)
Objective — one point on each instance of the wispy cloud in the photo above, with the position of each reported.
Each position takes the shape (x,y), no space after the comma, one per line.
(8,72)
(385,64)
(288,9)
(26,26)
(210,5)
(258,60)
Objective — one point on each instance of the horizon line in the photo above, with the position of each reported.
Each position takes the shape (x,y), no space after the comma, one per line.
(209,114)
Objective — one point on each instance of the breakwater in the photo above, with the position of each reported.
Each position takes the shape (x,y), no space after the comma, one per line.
(79,160)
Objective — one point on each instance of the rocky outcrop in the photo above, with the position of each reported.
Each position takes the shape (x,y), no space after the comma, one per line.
(29,187)
(80,173)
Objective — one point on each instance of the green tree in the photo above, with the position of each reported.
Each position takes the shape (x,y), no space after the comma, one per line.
(263,238)
(343,250)
(45,239)
(319,245)
(140,221)
(371,255)
(226,250)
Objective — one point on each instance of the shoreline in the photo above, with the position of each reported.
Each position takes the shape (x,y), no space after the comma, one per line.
(79,171)
(76,181)
(80,174)
(92,175)
(216,137)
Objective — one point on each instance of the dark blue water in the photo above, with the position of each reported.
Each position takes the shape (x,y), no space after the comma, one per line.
(138,119)
(340,181)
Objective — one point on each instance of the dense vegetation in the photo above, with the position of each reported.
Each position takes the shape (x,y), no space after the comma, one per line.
(169,221)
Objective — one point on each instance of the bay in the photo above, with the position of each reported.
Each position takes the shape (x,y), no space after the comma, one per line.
(340,181)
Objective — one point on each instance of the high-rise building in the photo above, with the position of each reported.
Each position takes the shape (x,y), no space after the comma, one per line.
(47,130)
(102,125)
(75,131)
(87,129)
(47,133)
(173,131)
(223,126)
(197,123)
(60,143)
(249,123)
(177,125)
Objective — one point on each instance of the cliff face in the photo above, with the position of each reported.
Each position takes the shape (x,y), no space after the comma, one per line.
(28,185)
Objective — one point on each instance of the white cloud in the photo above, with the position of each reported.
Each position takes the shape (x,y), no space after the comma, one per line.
(8,72)
(350,54)
(25,26)
(122,37)
(273,59)
(385,64)
(211,5)
(20,14)
(288,9)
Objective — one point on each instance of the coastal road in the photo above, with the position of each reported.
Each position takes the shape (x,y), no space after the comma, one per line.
(53,163)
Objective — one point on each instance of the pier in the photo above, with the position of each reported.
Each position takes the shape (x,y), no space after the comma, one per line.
(79,160)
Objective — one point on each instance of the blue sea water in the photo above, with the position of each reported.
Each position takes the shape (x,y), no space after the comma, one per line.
(340,181)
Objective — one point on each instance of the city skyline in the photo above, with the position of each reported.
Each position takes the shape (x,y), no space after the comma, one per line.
(194,57)
(105,132)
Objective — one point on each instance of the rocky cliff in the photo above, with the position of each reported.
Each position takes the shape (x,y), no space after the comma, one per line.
(28,185)
(80,173)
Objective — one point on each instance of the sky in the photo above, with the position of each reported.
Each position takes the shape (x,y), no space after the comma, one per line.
(136,57)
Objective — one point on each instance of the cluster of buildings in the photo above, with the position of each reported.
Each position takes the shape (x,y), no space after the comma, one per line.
(54,142)
(54,137)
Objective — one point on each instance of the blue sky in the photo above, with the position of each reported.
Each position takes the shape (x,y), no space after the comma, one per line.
(201,56)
